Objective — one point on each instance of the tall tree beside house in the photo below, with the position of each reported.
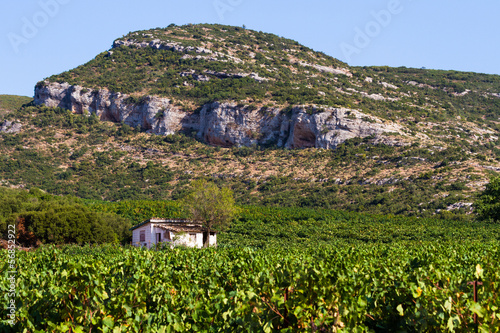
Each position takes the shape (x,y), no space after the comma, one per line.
(212,206)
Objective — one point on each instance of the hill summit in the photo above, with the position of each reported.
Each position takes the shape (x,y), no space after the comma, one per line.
(203,63)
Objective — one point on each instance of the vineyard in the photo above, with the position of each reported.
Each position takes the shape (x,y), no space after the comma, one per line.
(374,287)
(275,269)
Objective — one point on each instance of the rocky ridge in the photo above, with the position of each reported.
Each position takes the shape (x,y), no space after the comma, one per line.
(223,124)
(177,47)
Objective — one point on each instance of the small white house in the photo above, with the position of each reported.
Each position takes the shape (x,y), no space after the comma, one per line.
(174,232)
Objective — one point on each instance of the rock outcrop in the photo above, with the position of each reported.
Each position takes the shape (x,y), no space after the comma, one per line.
(10,127)
(176,47)
(223,124)
(154,114)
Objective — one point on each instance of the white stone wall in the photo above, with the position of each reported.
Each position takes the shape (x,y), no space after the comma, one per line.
(188,240)
(212,240)
(136,236)
(181,239)
(199,240)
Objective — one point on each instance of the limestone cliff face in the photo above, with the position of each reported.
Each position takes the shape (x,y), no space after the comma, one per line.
(227,125)
(331,127)
(153,114)
(222,124)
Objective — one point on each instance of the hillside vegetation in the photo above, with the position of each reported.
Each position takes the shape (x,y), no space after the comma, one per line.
(450,121)
(64,153)
(12,102)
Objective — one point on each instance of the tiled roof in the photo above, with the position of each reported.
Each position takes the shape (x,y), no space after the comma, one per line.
(174,225)
(181,228)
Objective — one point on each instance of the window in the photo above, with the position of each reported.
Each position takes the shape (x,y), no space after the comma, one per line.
(158,237)
(167,235)
(192,237)
(142,236)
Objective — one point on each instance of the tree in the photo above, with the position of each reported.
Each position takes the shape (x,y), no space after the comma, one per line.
(212,206)
(488,204)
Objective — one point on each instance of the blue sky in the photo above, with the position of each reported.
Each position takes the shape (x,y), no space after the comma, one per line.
(39,38)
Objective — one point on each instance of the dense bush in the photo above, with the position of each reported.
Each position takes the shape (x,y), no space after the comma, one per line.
(41,218)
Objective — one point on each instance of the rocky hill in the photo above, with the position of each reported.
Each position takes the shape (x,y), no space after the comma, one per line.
(234,86)
(399,140)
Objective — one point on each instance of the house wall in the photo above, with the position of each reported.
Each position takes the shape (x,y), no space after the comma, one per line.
(164,234)
(199,240)
(212,240)
(151,231)
(136,236)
